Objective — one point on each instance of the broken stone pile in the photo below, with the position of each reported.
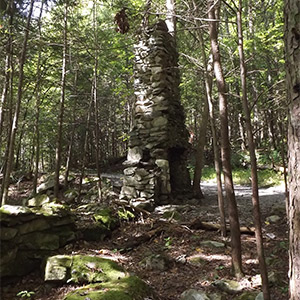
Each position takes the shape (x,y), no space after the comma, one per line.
(156,161)
(28,234)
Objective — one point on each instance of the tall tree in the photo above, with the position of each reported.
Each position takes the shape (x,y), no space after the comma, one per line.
(292,55)
(225,145)
(96,100)
(251,145)
(37,106)
(58,152)
(14,126)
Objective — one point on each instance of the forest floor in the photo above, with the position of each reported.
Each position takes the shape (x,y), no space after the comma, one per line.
(189,263)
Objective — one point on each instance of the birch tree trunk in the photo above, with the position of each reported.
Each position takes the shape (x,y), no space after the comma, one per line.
(292,53)
(171,16)
(225,146)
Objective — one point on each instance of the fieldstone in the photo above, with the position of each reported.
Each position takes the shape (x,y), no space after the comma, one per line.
(39,241)
(194,295)
(129,191)
(34,225)
(273,219)
(229,286)
(7,233)
(49,184)
(57,268)
(128,288)
(129,171)
(212,244)
(156,262)
(143,203)
(82,269)
(39,200)
(246,296)
(14,210)
(160,122)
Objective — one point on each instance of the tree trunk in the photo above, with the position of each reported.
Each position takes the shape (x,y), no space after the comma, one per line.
(292,53)
(225,146)
(62,104)
(85,148)
(15,121)
(205,116)
(7,69)
(96,106)
(37,108)
(171,16)
(255,197)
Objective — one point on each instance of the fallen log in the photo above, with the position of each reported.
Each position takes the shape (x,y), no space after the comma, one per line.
(136,241)
(198,224)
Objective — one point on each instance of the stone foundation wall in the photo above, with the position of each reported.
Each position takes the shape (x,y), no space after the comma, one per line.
(156,163)
(29,234)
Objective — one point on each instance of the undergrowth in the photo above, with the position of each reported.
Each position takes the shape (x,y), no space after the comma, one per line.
(242,176)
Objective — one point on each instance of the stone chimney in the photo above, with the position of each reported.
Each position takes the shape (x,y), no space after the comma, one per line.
(156,171)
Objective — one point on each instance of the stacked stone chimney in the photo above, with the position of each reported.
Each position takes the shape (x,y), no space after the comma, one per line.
(156,171)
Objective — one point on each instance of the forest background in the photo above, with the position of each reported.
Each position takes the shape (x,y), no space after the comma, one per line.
(98,55)
(68,89)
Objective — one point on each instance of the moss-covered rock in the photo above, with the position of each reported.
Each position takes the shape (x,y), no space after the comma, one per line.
(129,288)
(82,269)
(39,200)
(247,296)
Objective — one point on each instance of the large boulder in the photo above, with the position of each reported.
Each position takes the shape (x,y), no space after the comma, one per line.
(128,288)
(82,269)
(104,278)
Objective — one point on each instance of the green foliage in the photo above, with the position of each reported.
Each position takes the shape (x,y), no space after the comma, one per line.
(168,242)
(26,294)
(125,214)
(242,176)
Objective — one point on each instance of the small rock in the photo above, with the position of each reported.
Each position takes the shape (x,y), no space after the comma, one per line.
(135,154)
(194,295)
(212,244)
(273,219)
(156,262)
(229,286)
(181,259)
(246,296)
(260,296)
(39,200)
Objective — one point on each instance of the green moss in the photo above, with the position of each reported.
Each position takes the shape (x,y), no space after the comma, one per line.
(95,269)
(105,217)
(125,214)
(130,288)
